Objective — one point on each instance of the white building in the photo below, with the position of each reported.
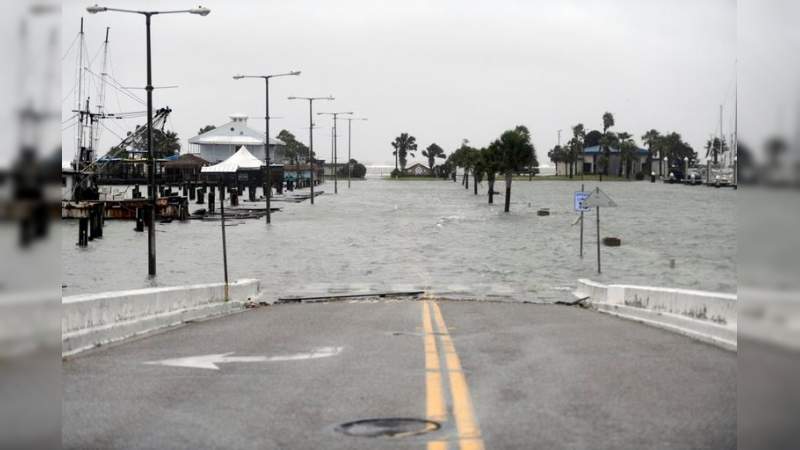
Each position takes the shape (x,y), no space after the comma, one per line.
(222,142)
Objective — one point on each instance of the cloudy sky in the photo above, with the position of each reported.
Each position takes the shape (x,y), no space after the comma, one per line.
(442,71)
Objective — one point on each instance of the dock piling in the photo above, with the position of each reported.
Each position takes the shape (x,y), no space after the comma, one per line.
(83,232)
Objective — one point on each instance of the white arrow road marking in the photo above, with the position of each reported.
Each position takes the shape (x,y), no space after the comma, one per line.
(211,361)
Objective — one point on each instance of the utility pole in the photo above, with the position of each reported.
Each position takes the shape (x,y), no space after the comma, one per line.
(311,136)
(268,183)
(151,232)
(335,116)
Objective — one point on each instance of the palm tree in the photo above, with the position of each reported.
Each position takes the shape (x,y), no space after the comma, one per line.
(715,147)
(651,140)
(491,159)
(577,144)
(516,152)
(608,122)
(403,146)
(627,149)
(463,158)
(557,155)
(432,152)
(478,168)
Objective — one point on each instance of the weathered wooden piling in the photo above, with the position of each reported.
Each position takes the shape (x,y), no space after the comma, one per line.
(183,211)
(93,223)
(139,220)
(251,192)
(191,192)
(234,197)
(201,194)
(83,232)
(211,199)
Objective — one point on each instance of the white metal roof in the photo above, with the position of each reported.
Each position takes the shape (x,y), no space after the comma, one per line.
(242,159)
(236,132)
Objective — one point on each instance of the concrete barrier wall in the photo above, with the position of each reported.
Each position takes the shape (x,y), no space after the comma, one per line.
(709,316)
(91,320)
(714,306)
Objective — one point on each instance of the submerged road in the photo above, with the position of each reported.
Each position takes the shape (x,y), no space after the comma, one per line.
(493,375)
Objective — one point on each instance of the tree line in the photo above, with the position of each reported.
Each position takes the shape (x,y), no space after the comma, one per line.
(511,153)
(669,145)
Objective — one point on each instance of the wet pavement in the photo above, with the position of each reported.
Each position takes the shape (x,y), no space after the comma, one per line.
(493,375)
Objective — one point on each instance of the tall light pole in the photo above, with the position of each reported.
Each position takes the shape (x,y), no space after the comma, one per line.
(349,144)
(268,184)
(335,172)
(311,135)
(151,232)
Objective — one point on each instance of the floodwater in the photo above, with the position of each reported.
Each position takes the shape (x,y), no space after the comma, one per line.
(384,235)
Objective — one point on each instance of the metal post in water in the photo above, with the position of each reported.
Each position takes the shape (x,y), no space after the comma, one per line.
(582,187)
(598,235)
(224,245)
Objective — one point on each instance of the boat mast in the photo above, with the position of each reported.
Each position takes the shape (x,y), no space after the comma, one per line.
(721,136)
(79,137)
(736,121)
(101,98)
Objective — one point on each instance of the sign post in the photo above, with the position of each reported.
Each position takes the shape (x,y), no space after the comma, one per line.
(222,222)
(597,199)
(580,197)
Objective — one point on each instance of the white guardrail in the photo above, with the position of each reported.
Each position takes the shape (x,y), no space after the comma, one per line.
(91,320)
(707,316)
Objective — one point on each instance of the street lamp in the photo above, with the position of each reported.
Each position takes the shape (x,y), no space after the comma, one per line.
(349,142)
(664,167)
(151,233)
(335,172)
(311,135)
(268,184)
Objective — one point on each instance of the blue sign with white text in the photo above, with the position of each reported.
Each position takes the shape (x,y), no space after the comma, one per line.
(579,198)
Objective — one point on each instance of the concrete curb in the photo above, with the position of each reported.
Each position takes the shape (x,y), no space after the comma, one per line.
(710,317)
(91,320)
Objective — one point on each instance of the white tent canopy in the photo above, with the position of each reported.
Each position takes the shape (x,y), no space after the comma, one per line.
(242,159)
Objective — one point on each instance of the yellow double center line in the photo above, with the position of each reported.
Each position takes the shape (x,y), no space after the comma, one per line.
(469,433)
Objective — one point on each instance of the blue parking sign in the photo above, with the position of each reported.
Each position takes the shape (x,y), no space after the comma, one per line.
(579,198)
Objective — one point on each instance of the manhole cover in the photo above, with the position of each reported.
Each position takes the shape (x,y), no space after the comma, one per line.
(391,427)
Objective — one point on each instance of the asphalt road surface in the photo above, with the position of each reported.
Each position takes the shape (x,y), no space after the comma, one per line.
(491,375)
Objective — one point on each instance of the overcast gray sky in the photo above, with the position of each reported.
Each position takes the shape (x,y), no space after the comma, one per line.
(442,71)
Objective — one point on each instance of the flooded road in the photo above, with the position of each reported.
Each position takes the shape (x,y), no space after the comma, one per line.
(383,235)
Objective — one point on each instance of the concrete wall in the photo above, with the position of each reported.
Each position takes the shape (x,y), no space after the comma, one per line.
(91,320)
(708,316)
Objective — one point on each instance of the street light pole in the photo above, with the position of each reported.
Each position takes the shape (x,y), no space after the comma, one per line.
(311,136)
(335,172)
(349,144)
(151,232)
(267,160)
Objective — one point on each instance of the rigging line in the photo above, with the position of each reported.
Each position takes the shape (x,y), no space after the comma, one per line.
(68,127)
(117,85)
(77,35)
(91,62)
(69,93)
(121,89)
(69,118)
(110,75)
(112,131)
